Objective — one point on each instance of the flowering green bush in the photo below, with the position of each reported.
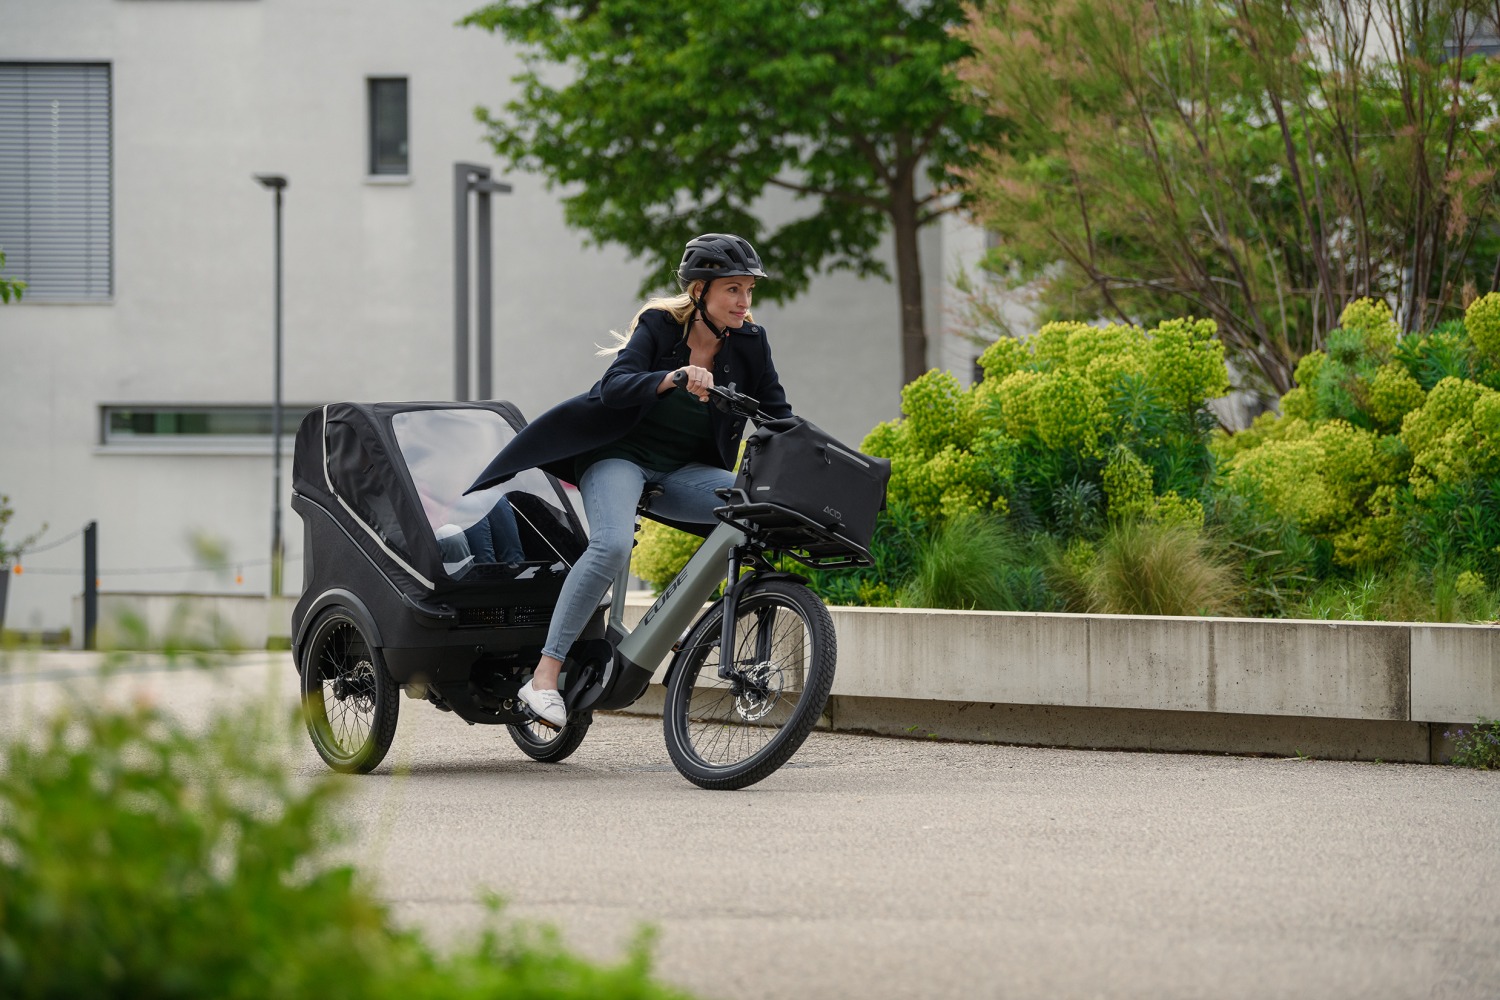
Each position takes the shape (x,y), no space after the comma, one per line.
(1482,319)
(1382,444)
(1115,407)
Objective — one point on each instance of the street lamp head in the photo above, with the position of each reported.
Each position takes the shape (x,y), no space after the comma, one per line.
(276,181)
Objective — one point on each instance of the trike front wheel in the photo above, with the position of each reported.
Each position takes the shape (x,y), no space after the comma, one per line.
(349,701)
(730,731)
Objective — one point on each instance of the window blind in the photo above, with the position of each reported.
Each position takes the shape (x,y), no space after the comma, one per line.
(56,191)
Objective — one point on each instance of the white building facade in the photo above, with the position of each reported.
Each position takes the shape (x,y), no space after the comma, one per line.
(136,374)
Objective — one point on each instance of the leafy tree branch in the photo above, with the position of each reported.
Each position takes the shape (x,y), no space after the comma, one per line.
(666,119)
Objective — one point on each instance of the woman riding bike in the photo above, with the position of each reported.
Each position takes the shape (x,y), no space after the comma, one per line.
(635,428)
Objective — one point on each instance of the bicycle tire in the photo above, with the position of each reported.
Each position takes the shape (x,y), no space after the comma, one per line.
(549,746)
(349,702)
(722,738)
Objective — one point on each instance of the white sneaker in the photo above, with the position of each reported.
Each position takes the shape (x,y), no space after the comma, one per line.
(548,705)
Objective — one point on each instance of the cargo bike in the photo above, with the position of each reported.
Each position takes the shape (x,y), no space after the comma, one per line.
(411,585)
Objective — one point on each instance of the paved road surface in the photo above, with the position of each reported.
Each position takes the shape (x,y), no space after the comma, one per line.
(888,868)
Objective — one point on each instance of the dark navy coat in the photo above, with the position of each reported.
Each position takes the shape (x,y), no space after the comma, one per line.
(620,399)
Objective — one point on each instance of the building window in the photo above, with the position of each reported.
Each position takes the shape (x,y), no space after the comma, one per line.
(388,126)
(56,186)
(246,427)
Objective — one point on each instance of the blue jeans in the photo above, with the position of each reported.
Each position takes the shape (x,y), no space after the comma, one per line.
(494,538)
(611,489)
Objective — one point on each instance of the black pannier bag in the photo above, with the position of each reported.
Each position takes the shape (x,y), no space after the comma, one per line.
(797,466)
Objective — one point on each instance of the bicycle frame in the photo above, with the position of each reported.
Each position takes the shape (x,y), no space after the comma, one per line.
(638,651)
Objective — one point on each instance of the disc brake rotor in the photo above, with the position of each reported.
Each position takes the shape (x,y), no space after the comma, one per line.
(758,691)
(357,683)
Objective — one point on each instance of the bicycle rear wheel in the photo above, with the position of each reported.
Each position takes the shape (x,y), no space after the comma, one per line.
(730,732)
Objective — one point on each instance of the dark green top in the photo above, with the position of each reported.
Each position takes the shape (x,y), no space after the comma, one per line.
(673,433)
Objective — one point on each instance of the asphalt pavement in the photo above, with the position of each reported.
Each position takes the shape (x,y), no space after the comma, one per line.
(872,867)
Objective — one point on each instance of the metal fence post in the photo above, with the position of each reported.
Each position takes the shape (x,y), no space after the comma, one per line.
(90,583)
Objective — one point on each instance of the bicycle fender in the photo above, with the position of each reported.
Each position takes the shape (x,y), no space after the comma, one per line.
(780,574)
(335,595)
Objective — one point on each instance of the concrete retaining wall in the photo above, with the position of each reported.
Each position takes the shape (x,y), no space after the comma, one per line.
(1350,690)
(1351,670)
(1355,690)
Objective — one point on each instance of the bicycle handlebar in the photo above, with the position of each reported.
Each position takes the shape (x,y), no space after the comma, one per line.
(726,398)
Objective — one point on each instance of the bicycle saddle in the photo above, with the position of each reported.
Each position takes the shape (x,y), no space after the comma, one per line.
(649,493)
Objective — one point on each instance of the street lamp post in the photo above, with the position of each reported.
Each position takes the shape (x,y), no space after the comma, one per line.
(472,178)
(277,183)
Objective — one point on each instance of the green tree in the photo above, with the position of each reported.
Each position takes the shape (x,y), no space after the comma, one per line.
(674,118)
(1260,163)
(10,288)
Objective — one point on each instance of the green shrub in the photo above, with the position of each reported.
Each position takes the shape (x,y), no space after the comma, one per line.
(1482,319)
(140,860)
(661,552)
(1032,440)
(1385,452)
(1477,747)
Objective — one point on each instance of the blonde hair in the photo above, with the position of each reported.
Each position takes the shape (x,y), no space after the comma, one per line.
(679,307)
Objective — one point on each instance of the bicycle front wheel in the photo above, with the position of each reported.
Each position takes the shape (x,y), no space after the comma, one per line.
(729,728)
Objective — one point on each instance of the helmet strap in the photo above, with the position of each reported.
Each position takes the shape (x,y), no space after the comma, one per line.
(701,309)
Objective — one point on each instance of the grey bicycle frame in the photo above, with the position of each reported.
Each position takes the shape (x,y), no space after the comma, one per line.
(647,645)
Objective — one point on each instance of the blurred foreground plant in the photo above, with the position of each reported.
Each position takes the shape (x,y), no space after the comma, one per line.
(138,859)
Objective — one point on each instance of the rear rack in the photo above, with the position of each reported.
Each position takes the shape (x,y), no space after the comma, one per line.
(799,536)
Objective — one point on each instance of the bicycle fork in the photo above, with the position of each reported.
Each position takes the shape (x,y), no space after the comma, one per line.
(731,605)
(764,632)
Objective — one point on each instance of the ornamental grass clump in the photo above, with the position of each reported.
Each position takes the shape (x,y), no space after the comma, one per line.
(1152,568)
(975,563)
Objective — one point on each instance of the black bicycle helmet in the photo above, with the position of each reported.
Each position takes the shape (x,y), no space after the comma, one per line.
(718,255)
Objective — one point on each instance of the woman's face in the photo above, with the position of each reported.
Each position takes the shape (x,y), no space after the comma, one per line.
(728,301)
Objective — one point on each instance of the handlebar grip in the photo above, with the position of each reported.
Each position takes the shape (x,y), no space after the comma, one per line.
(679,378)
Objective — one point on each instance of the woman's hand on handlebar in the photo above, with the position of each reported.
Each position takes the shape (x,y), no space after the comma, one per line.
(730,399)
(695,380)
